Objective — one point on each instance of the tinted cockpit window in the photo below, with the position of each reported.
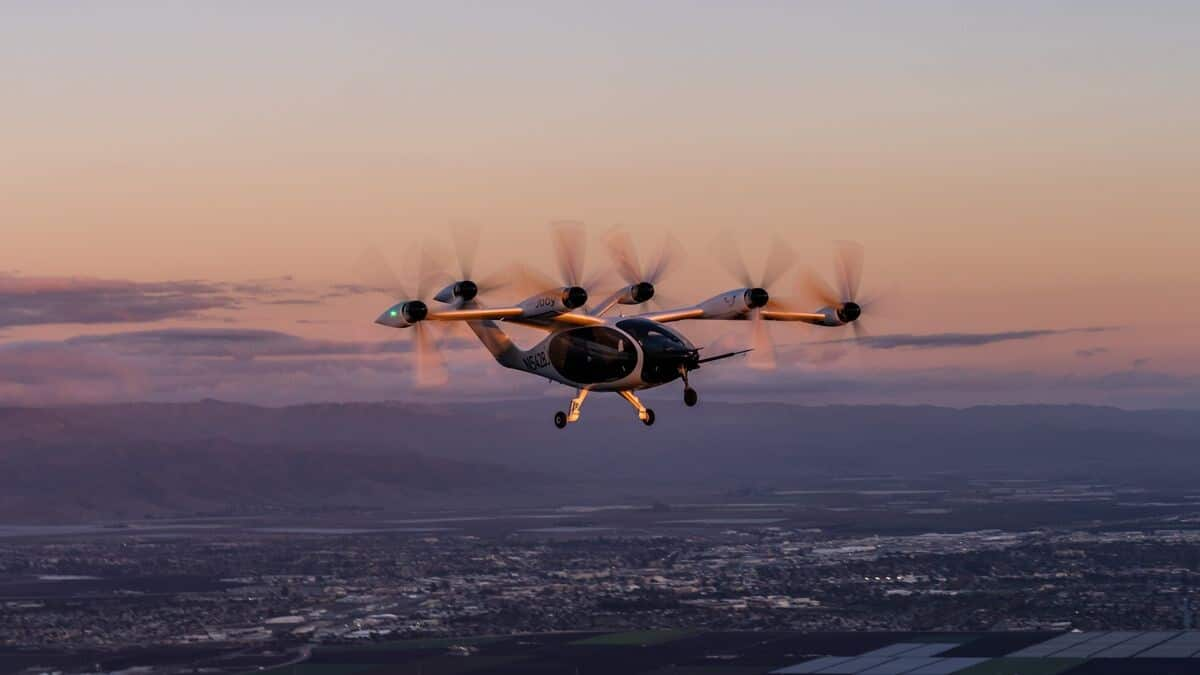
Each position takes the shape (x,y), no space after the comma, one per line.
(665,351)
(593,354)
(651,334)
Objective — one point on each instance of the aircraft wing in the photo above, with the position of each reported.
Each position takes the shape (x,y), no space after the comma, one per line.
(555,321)
(686,313)
(576,319)
(670,315)
(806,317)
(477,314)
(516,315)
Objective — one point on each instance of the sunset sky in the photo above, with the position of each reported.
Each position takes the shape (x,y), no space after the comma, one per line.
(185,187)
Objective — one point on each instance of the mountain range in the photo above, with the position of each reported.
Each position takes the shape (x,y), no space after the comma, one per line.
(127,460)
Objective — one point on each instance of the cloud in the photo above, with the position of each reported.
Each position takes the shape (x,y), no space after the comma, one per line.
(944,340)
(346,290)
(264,286)
(49,373)
(1090,352)
(31,301)
(257,366)
(794,355)
(292,301)
(34,301)
(239,344)
(277,368)
(954,386)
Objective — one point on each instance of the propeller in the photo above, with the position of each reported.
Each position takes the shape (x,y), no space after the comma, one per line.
(374,270)
(644,277)
(780,258)
(569,240)
(844,299)
(465,237)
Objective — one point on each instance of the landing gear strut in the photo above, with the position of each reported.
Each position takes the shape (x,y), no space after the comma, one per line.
(645,414)
(561,418)
(690,397)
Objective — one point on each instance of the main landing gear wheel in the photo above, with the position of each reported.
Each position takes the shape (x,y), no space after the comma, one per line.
(690,397)
(560,419)
(649,418)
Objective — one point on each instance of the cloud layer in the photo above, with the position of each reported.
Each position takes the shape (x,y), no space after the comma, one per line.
(32,301)
(236,343)
(943,340)
(39,301)
(276,368)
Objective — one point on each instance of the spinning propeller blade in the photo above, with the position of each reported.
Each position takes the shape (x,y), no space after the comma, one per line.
(374,271)
(848,260)
(728,254)
(625,258)
(845,300)
(429,365)
(763,356)
(780,258)
(570,250)
(466,237)
(569,241)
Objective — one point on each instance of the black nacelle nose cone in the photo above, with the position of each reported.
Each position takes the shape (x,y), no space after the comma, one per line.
(467,290)
(757,297)
(849,312)
(643,291)
(574,297)
(415,311)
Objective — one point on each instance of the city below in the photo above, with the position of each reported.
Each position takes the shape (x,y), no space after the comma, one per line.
(229,593)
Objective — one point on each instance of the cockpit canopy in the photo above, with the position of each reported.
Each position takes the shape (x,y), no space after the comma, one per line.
(666,351)
(655,337)
(593,354)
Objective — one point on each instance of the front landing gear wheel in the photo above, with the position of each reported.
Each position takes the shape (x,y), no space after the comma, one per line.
(690,397)
(649,418)
(560,419)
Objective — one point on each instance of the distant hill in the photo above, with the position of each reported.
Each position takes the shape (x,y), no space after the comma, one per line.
(113,477)
(134,459)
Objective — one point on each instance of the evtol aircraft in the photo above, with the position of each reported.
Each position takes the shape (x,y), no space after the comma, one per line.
(590,350)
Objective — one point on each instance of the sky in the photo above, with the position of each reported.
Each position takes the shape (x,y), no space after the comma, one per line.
(185,187)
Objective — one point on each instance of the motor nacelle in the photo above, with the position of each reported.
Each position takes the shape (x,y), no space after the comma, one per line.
(403,314)
(849,312)
(557,301)
(841,315)
(734,304)
(463,291)
(637,293)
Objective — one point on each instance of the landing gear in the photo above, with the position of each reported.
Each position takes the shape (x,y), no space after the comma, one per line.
(645,414)
(690,397)
(561,418)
